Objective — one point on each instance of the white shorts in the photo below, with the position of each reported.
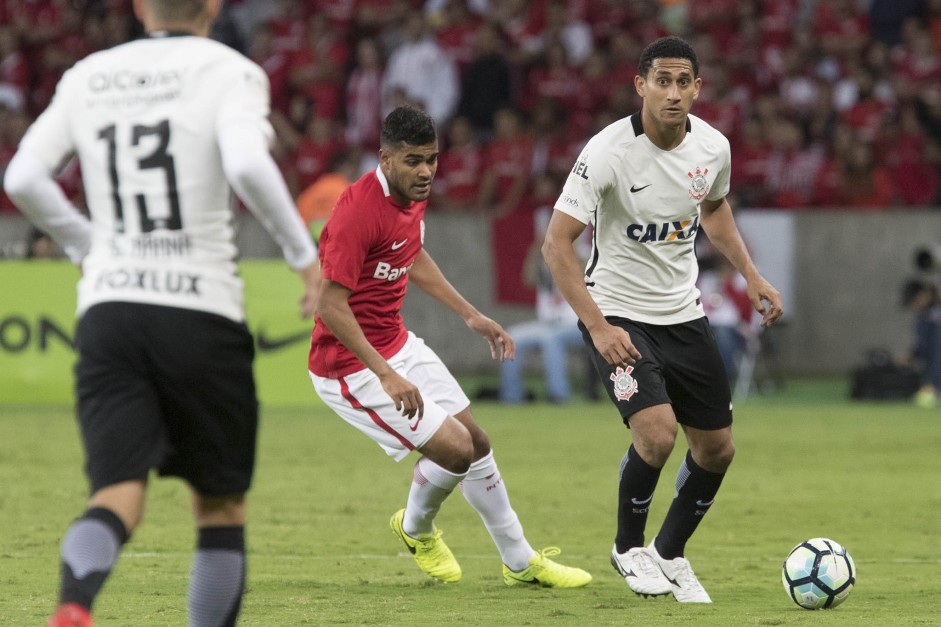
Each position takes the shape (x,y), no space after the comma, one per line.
(360,400)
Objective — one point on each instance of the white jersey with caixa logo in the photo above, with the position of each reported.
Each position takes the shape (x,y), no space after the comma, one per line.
(143,119)
(644,205)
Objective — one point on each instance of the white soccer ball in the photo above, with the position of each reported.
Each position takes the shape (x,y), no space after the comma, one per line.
(818,574)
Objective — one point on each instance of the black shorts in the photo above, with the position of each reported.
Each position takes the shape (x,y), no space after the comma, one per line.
(680,364)
(166,388)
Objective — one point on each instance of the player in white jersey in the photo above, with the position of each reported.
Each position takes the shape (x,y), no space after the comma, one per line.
(648,183)
(165,128)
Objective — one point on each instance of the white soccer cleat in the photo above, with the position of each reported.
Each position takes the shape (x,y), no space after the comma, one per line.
(678,573)
(640,571)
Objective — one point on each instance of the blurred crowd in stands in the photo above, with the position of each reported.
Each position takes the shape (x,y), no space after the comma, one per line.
(827,103)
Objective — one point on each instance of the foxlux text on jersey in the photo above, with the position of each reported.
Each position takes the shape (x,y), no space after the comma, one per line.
(150,281)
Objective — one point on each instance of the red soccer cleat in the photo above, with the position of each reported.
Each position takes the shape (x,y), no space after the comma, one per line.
(71,615)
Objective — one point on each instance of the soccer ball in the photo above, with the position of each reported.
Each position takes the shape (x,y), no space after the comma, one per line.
(818,574)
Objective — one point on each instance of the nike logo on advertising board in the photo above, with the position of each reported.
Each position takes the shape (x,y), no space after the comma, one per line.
(267,343)
(398,245)
(635,189)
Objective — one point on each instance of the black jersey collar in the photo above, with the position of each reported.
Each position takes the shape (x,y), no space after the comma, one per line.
(638,124)
(161,34)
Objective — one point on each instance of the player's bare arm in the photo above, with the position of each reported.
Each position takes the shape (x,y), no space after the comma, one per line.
(426,274)
(333,307)
(613,343)
(717,220)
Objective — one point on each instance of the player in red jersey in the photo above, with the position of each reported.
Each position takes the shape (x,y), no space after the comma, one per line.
(382,379)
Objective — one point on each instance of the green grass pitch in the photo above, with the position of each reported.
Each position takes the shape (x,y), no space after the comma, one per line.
(321,553)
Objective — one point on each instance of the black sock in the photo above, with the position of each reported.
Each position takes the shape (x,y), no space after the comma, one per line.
(635,491)
(217,580)
(89,550)
(696,489)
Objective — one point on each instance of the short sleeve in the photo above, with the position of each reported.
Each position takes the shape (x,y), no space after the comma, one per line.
(586,184)
(345,243)
(720,188)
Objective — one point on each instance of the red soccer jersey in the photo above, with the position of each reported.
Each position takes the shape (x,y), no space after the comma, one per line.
(368,246)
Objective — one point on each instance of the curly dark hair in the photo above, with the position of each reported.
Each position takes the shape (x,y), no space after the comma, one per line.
(410,125)
(671,47)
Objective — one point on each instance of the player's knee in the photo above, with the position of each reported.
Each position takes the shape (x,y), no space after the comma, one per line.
(719,457)
(481,443)
(219,510)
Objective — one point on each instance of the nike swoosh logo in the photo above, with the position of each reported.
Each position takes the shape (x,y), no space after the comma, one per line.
(266,343)
(642,501)
(398,245)
(635,189)
(415,427)
(705,504)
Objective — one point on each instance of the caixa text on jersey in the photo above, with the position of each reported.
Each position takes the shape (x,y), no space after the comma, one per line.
(665,232)
(149,280)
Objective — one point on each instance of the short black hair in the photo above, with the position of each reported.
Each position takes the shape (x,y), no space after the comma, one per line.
(410,125)
(671,47)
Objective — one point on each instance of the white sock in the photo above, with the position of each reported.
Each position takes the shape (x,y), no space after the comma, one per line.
(431,484)
(485,491)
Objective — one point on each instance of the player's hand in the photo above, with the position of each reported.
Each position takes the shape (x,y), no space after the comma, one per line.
(614,344)
(311,277)
(403,393)
(765,299)
(502,346)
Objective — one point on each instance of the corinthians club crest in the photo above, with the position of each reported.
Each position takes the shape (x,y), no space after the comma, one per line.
(698,185)
(624,384)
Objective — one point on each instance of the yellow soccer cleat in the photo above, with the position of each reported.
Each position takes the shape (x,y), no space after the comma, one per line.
(430,552)
(543,571)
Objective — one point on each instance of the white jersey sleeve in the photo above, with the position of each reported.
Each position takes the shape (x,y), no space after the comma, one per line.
(256,179)
(29,184)
(583,194)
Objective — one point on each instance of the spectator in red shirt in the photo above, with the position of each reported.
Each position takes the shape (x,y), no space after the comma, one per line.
(553,78)
(868,114)
(507,165)
(750,164)
(457,32)
(909,156)
(459,168)
(792,166)
(364,95)
(317,68)
(315,148)
(854,180)
(276,64)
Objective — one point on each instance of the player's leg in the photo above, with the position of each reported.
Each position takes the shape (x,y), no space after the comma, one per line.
(217,576)
(444,443)
(653,431)
(697,482)
(91,547)
(698,385)
(638,392)
(485,491)
(204,374)
(123,438)
(445,460)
